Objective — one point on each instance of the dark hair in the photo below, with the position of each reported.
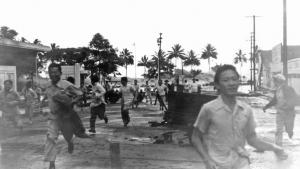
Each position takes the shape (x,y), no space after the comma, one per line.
(94,79)
(8,81)
(222,69)
(124,79)
(71,79)
(53,65)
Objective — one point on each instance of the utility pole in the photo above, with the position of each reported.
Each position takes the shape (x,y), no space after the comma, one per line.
(134,60)
(254,53)
(159,54)
(284,47)
(251,58)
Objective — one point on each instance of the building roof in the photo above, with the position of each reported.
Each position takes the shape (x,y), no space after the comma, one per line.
(23,45)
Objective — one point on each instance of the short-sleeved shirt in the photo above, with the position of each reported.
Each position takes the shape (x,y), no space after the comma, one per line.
(281,100)
(162,89)
(52,90)
(9,96)
(99,92)
(127,96)
(225,131)
(147,89)
(30,95)
(136,88)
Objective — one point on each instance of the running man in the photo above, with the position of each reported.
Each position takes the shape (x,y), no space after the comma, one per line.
(225,124)
(128,93)
(284,100)
(148,92)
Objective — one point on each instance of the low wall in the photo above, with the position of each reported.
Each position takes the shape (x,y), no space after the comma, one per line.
(183,108)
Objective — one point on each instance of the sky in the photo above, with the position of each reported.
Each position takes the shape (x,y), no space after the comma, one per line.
(136,24)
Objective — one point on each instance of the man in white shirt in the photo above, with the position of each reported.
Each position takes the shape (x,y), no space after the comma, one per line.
(54,119)
(161,90)
(128,94)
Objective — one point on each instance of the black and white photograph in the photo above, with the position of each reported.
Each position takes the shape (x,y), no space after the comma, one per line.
(149,84)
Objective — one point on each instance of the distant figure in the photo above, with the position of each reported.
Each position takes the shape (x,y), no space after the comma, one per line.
(30,98)
(187,86)
(108,90)
(84,95)
(195,87)
(161,91)
(225,124)
(284,100)
(148,93)
(107,86)
(38,91)
(136,88)
(98,103)
(128,94)
(9,101)
(168,89)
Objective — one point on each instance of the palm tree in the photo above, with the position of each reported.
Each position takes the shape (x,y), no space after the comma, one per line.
(194,73)
(192,59)
(127,58)
(209,52)
(240,58)
(143,62)
(176,53)
(165,66)
(54,46)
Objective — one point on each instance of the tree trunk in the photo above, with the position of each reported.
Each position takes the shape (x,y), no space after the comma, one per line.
(181,67)
(208,64)
(126,69)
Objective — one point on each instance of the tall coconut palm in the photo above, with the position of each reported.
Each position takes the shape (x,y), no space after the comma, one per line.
(165,66)
(143,62)
(177,52)
(192,59)
(240,58)
(127,58)
(209,52)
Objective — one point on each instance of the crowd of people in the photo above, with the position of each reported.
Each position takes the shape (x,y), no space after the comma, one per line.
(221,129)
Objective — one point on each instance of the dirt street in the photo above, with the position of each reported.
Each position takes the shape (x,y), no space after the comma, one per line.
(141,146)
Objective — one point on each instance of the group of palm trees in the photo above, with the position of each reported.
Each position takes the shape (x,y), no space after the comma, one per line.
(187,59)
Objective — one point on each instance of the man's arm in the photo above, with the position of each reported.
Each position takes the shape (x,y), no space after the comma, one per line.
(261,145)
(271,103)
(254,141)
(197,141)
(201,126)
